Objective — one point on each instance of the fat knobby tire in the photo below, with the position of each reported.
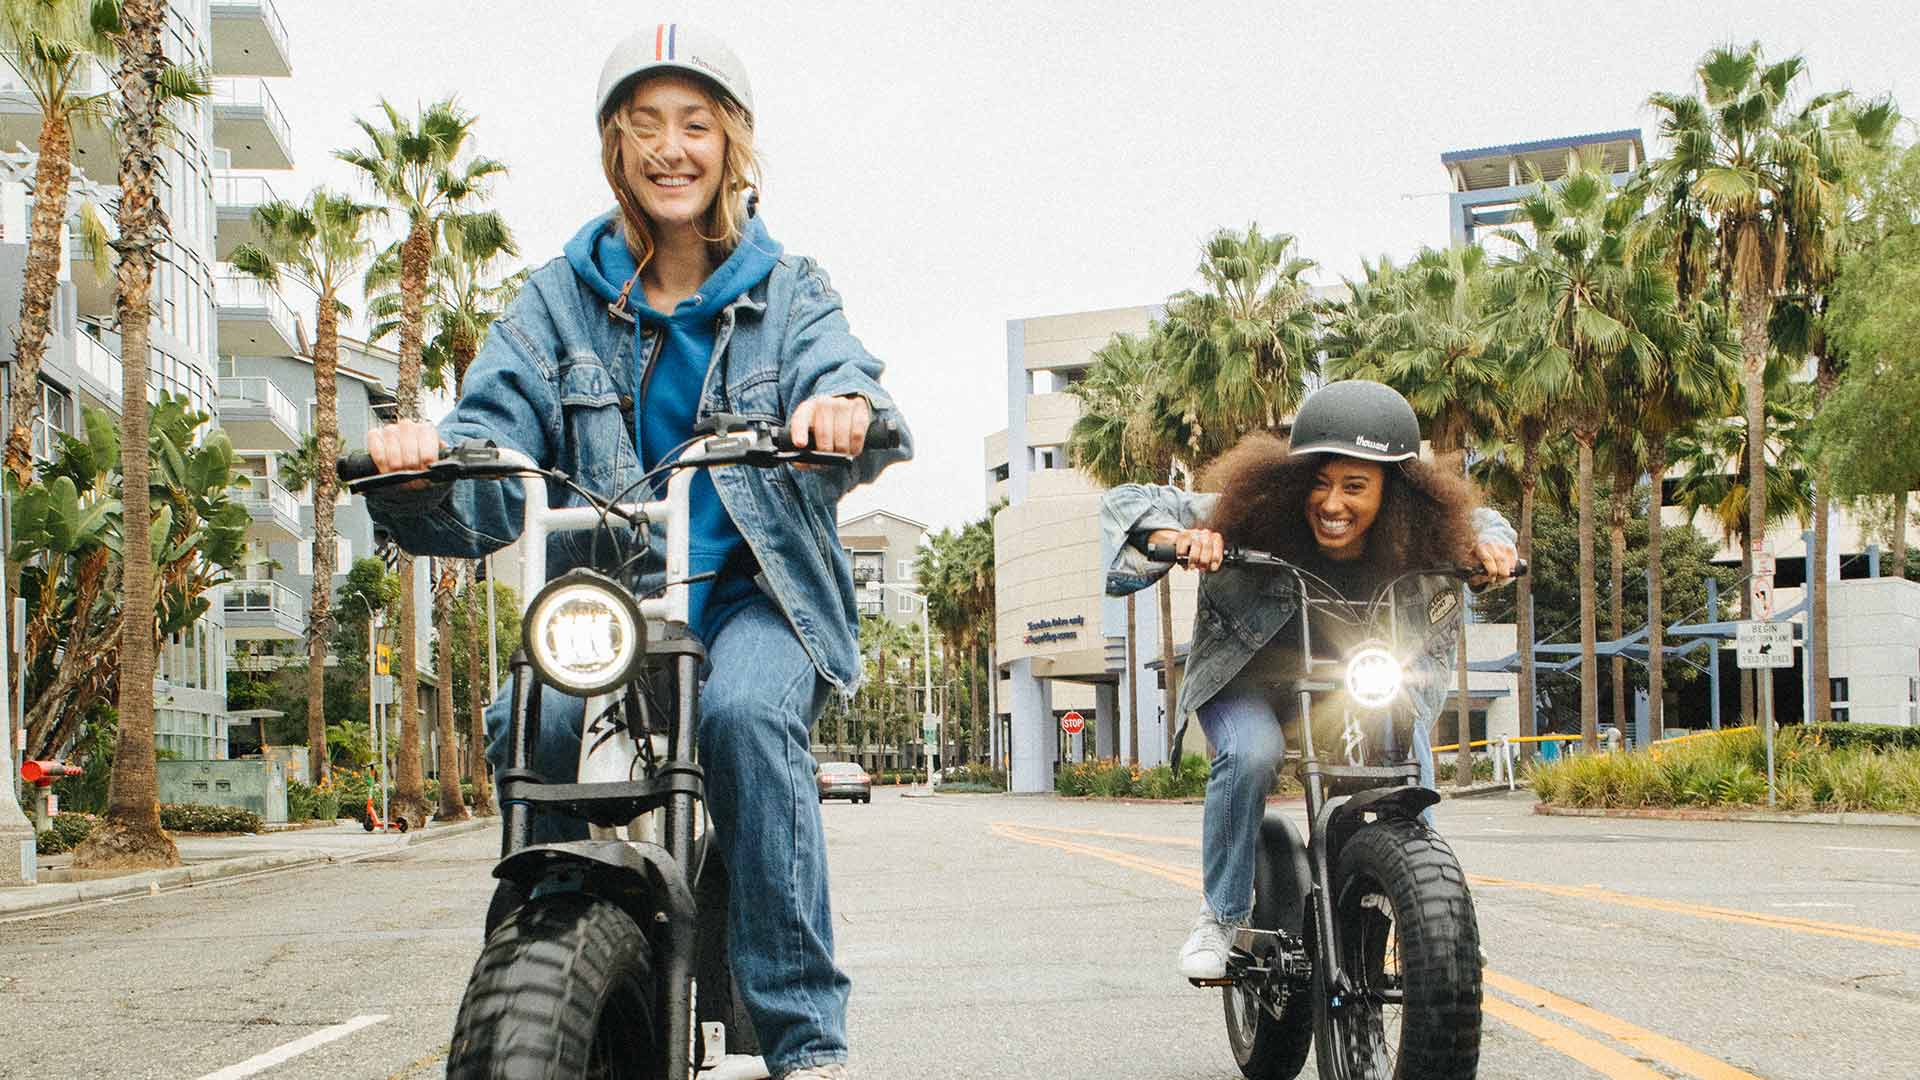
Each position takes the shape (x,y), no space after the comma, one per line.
(1438,950)
(538,993)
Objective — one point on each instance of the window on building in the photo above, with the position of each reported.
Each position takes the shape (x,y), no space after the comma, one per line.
(906,569)
(1837,691)
(1048,457)
(342,556)
(905,603)
(55,419)
(1001,473)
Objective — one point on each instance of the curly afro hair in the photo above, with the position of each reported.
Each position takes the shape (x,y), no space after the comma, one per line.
(1425,519)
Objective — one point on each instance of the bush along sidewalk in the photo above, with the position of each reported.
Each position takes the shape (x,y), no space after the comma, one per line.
(1820,767)
(1119,780)
(65,831)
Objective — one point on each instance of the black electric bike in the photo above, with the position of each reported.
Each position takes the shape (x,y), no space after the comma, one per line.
(607,957)
(1363,940)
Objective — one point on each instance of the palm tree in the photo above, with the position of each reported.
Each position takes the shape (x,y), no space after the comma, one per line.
(1578,296)
(1118,439)
(130,834)
(1239,350)
(322,245)
(53,45)
(1745,163)
(420,167)
(1422,331)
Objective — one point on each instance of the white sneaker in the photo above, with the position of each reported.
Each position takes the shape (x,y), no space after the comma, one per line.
(1204,956)
(835,1071)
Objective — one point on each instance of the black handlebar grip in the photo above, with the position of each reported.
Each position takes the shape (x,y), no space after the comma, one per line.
(356,466)
(881,435)
(1162,553)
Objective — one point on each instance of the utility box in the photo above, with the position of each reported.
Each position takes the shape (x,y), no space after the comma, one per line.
(293,760)
(252,784)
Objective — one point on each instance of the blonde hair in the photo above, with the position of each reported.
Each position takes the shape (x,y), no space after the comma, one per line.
(739,173)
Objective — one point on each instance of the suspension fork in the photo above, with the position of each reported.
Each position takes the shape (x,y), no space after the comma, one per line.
(678,995)
(1326,946)
(523,734)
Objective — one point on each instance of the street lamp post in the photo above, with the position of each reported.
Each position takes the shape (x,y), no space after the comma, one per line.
(374,727)
(926,667)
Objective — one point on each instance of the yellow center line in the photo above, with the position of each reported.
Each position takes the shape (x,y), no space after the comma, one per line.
(1604,1060)
(1651,1044)
(1868,934)
(1564,1040)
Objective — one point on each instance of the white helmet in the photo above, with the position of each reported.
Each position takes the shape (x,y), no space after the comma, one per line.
(672,47)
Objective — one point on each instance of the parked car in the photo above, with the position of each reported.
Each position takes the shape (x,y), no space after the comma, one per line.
(844,780)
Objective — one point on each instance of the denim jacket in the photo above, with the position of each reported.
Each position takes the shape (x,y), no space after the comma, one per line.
(554,380)
(1242,608)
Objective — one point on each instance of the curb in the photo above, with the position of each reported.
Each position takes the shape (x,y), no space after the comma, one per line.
(1477,790)
(1771,817)
(37,897)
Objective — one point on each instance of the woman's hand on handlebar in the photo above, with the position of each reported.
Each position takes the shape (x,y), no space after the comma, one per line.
(831,425)
(1199,549)
(1496,559)
(407,446)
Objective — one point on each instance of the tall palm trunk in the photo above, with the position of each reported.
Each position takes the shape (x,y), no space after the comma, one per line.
(1523,602)
(1170,697)
(453,807)
(410,786)
(1617,511)
(477,700)
(981,718)
(1817,656)
(326,485)
(1656,582)
(130,834)
(1745,676)
(1753,350)
(52,179)
(1131,683)
(1589,603)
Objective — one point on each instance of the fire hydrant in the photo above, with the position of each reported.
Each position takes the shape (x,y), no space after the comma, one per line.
(42,774)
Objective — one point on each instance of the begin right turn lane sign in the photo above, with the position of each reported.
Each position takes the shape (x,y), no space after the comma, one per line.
(1765,645)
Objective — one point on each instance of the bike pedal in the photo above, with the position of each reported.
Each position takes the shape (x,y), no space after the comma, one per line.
(1206,983)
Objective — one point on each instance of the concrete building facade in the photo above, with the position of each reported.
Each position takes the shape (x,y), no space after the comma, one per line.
(882,546)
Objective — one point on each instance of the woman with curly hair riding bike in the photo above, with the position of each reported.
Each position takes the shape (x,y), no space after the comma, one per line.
(677,305)
(1347,499)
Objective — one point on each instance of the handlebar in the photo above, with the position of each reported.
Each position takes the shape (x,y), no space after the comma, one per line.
(474,460)
(1251,557)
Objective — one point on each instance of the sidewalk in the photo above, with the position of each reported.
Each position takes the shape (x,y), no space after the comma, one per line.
(210,858)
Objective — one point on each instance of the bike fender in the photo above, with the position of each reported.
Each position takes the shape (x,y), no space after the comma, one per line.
(1283,879)
(641,878)
(1399,802)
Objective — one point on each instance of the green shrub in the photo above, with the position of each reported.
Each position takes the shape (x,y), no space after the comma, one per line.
(1811,773)
(64,833)
(1865,736)
(307,802)
(182,817)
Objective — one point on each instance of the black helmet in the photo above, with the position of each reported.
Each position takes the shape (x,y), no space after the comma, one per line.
(1357,418)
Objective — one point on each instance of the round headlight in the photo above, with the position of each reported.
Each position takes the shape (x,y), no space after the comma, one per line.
(583,633)
(1373,676)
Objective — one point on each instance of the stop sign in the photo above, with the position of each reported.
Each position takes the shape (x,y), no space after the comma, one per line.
(1073,723)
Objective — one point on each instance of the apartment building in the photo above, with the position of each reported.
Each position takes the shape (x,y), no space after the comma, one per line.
(882,547)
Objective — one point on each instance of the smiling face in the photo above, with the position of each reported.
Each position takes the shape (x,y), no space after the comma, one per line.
(677,151)
(1343,503)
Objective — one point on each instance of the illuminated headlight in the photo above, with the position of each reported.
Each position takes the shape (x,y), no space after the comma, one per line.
(1373,676)
(583,633)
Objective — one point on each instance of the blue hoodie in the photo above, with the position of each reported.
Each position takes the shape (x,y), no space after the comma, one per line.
(664,419)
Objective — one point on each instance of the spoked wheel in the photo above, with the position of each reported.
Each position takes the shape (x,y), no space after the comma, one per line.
(563,988)
(1269,1039)
(1410,948)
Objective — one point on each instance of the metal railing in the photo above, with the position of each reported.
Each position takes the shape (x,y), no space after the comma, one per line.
(251,93)
(863,575)
(264,598)
(254,390)
(264,494)
(231,190)
(238,291)
(98,362)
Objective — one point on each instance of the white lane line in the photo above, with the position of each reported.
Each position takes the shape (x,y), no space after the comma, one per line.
(1811,904)
(268,1060)
(1871,850)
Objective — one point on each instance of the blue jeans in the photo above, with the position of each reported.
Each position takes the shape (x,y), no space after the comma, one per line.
(757,708)
(1248,746)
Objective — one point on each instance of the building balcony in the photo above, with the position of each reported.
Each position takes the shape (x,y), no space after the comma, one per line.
(249,39)
(257,416)
(264,610)
(869,575)
(254,320)
(20,119)
(275,512)
(101,375)
(248,124)
(235,198)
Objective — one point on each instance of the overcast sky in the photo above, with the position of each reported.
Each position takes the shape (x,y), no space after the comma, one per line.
(956,165)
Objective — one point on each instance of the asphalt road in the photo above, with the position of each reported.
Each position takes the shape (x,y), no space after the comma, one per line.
(991,936)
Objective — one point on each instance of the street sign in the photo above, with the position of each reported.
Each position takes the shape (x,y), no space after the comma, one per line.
(383,660)
(1073,723)
(383,690)
(1765,645)
(929,730)
(1760,585)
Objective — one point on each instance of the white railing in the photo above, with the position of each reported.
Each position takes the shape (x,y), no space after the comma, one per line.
(264,494)
(252,93)
(263,597)
(237,291)
(98,362)
(230,190)
(261,392)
